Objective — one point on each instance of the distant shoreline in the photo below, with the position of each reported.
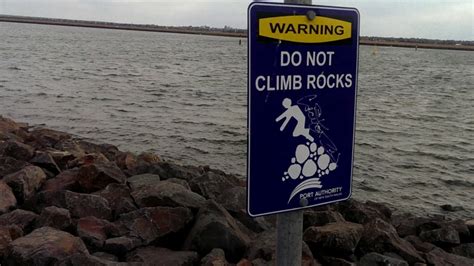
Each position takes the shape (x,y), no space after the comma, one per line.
(208,31)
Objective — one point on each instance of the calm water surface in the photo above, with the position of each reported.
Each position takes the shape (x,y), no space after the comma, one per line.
(184,97)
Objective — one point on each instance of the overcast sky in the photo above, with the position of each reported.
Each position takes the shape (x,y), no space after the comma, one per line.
(435,19)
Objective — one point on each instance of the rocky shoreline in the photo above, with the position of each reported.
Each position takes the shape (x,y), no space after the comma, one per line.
(68,201)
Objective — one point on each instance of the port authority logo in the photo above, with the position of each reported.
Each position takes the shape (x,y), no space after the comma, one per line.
(302,84)
(302,30)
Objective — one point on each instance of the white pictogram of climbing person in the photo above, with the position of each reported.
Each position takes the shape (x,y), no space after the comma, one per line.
(294,111)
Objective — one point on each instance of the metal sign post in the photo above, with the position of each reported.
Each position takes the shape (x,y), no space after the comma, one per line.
(302,84)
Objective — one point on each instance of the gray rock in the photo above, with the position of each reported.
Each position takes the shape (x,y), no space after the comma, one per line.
(376,259)
(7,198)
(216,228)
(143,180)
(465,250)
(21,218)
(45,161)
(94,231)
(320,218)
(97,176)
(25,182)
(441,237)
(55,217)
(105,256)
(44,246)
(357,212)
(83,205)
(16,150)
(211,184)
(9,165)
(121,245)
(439,257)
(166,193)
(340,238)
(421,246)
(119,198)
(161,256)
(215,258)
(379,236)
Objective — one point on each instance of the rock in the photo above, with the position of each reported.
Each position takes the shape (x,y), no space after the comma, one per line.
(152,224)
(80,260)
(407,224)
(126,160)
(7,198)
(83,205)
(54,217)
(168,170)
(63,158)
(21,218)
(16,150)
(47,138)
(181,182)
(94,231)
(319,218)
(44,246)
(143,180)
(337,261)
(8,125)
(88,159)
(439,257)
(66,180)
(45,161)
(149,158)
(380,237)
(162,256)
(121,245)
(375,259)
(118,196)
(215,258)
(264,247)
(97,176)
(234,201)
(446,236)
(166,193)
(10,165)
(212,184)
(25,182)
(215,228)
(465,250)
(5,239)
(105,256)
(110,151)
(357,212)
(339,238)
(421,246)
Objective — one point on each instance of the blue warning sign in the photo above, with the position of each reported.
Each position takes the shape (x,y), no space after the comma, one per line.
(302,85)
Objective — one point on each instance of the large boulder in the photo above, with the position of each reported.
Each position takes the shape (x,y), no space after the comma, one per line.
(439,257)
(215,258)
(45,161)
(16,150)
(465,250)
(5,239)
(44,246)
(167,170)
(161,256)
(421,246)
(379,236)
(7,198)
(110,151)
(376,259)
(165,193)
(66,180)
(357,212)
(118,196)
(446,236)
(119,246)
(96,176)
(339,238)
(22,218)
(47,138)
(152,224)
(320,218)
(25,182)
(81,260)
(83,205)
(143,180)
(55,217)
(216,228)
(212,183)
(10,165)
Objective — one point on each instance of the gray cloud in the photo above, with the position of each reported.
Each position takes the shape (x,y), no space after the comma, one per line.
(423,18)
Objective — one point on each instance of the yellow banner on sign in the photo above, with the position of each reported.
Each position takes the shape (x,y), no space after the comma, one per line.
(301,29)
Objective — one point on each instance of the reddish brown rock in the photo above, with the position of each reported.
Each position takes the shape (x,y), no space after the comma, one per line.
(446,236)
(211,184)
(47,138)
(83,205)
(126,160)
(94,231)
(95,177)
(465,250)
(380,237)
(44,246)
(25,182)
(10,165)
(5,239)
(66,180)
(375,259)
(110,151)
(54,217)
(215,258)
(165,193)
(168,170)
(149,157)
(216,228)
(121,245)
(118,196)
(320,218)
(439,257)
(16,150)
(151,224)
(421,246)
(143,180)
(162,256)
(7,199)
(339,238)
(23,219)
(357,212)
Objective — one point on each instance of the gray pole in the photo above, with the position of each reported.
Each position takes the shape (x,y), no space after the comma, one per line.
(290,224)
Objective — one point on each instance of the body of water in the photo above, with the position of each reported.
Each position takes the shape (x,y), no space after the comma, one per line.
(184,97)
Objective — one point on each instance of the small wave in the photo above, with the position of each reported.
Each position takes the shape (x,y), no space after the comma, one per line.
(460,183)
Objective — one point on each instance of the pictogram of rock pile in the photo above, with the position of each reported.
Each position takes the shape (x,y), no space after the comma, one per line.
(68,201)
